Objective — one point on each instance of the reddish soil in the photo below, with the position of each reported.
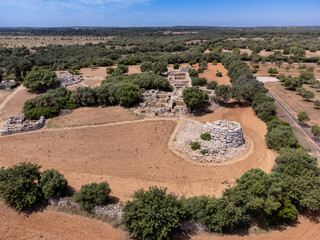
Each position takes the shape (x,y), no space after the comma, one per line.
(294,72)
(296,102)
(3,95)
(49,224)
(92,116)
(210,74)
(304,229)
(135,155)
(312,54)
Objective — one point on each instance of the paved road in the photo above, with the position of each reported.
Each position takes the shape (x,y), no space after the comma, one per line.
(298,128)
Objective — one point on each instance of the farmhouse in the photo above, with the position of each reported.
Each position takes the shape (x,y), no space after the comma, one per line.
(8,84)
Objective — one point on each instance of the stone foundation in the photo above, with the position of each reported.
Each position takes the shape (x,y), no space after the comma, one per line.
(19,123)
(226,142)
(69,79)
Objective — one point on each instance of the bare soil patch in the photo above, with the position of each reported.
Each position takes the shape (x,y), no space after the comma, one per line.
(49,224)
(135,155)
(3,95)
(296,102)
(312,54)
(38,41)
(210,74)
(293,71)
(92,116)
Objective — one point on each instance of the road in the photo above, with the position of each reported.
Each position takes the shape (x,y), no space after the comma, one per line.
(301,130)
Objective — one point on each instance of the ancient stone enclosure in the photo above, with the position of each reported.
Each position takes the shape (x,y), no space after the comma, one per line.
(69,79)
(226,140)
(161,103)
(19,123)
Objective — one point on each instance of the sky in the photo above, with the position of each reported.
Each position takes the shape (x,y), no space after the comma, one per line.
(138,13)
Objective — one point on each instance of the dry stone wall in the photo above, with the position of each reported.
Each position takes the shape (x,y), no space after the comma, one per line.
(226,142)
(69,79)
(19,123)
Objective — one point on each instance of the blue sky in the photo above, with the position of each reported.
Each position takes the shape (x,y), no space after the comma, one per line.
(52,13)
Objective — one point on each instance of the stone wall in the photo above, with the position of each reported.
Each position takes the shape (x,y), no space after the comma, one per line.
(69,79)
(19,123)
(227,132)
(113,211)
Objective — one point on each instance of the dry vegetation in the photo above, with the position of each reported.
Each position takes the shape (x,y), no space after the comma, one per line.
(38,41)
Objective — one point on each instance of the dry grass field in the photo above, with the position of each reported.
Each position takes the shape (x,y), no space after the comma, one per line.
(210,74)
(38,41)
(296,102)
(294,72)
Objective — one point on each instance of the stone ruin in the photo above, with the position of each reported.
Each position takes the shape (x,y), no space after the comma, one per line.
(19,123)
(162,103)
(69,79)
(226,142)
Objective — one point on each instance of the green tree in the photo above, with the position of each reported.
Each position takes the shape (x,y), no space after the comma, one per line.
(198,81)
(315,130)
(308,95)
(193,73)
(273,71)
(53,184)
(281,137)
(300,176)
(212,85)
(91,195)
(18,185)
(146,66)
(203,64)
(41,80)
(176,66)
(223,93)
(195,98)
(153,214)
(303,117)
(128,94)
(317,103)
(160,67)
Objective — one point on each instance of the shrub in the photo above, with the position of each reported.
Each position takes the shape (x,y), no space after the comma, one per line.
(195,98)
(199,81)
(265,110)
(203,151)
(84,97)
(153,214)
(41,80)
(176,66)
(160,67)
(18,185)
(53,184)
(128,94)
(281,137)
(303,117)
(273,71)
(47,112)
(315,130)
(195,145)
(308,95)
(193,73)
(206,136)
(317,103)
(219,74)
(146,66)
(212,85)
(91,195)
(195,208)
(223,93)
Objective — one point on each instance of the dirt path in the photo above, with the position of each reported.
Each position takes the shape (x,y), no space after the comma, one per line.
(9,97)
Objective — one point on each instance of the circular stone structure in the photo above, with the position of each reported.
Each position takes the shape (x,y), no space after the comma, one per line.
(227,132)
(226,142)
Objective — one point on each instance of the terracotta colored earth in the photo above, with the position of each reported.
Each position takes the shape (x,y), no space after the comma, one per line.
(90,116)
(54,226)
(210,74)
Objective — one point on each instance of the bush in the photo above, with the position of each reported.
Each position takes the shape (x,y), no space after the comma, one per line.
(317,103)
(146,66)
(176,66)
(47,112)
(84,97)
(206,136)
(219,74)
(308,95)
(195,208)
(223,93)
(153,214)
(212,85)
(193,73)
(18,185)
(203,151)
(265,110)
(198,81)
(273,71)
(303,117)
(195,146)
(128,94)
(53,184)
(92,195)
(160,67)
(315,130)
(281,137)
(195,98)
(41,80)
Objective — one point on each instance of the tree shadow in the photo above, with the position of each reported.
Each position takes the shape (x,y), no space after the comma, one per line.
(313,217)
(35,208)
(113,200)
